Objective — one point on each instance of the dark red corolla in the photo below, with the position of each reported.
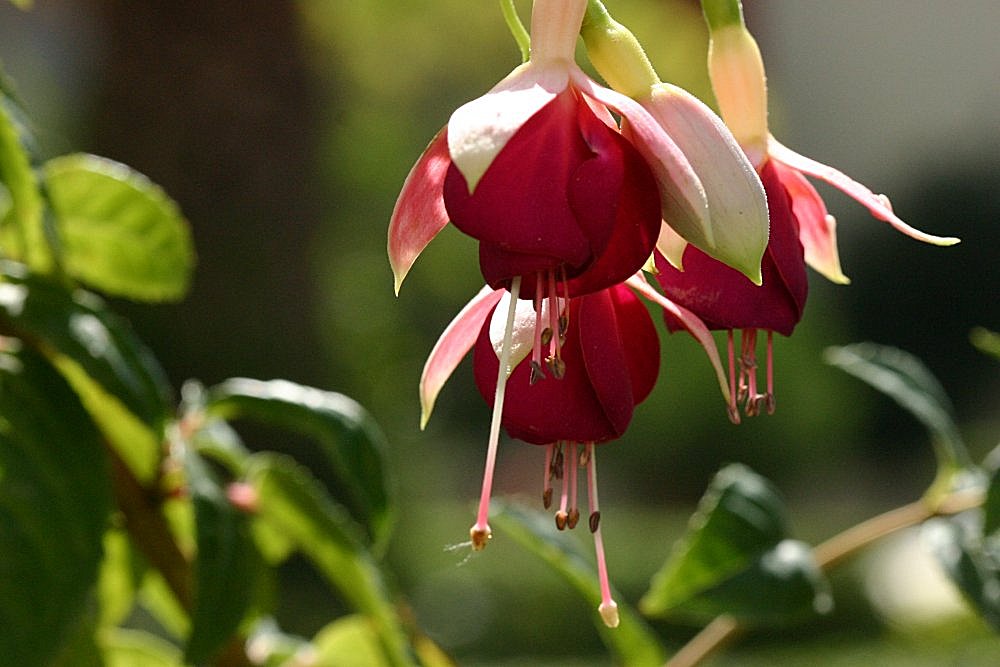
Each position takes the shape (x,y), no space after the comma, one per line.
(724,299)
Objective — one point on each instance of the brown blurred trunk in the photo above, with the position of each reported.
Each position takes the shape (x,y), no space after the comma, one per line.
(212,101)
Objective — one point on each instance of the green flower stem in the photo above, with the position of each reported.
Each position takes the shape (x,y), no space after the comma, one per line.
(517,29)
(616,53)
(722,13)
(829,554)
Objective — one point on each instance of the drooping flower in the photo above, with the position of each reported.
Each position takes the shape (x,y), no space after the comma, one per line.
(602,359)
(801,230)
(724,299)
(736,70)
(540,174)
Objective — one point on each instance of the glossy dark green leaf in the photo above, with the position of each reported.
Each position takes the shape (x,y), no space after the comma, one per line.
(347,435)
(632,642)
(112,371)
(734,558)
(118,232)
(782,585)
(971,561)
(906,380)
(294,503)
(226,565)
(54,505)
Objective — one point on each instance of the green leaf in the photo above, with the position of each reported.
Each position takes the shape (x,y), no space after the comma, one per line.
(350,641)
(971,561)
(113,372)
(346,433)
(296,504)
(119,232)
(735,559)
(991,506)
(119,579)
(632,642)
(782,585)
(226,565)
(134,648)
(22,229)
(986,341)
(905,379)
(54,504)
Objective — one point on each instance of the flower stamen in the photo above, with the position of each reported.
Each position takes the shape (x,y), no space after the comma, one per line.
(770,399)
(732,409)
(574,512)
(547,480)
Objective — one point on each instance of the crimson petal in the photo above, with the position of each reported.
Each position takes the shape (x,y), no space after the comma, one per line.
(724,298)
(520,204)
(611,355)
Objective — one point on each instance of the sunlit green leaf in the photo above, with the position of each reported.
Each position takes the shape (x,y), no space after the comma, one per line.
(295,503)
(134,648)
(735,559)
(119,232)
(113,372)
(54,504)
(632,642)
(226,564)
(346,433)
(119,579)
(21,229)
(350,641)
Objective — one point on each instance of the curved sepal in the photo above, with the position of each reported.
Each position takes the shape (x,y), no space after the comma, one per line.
(817,228)
(878,205)
(455,342)
(419,213)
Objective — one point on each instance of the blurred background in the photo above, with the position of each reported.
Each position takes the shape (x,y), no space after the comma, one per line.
(285,130)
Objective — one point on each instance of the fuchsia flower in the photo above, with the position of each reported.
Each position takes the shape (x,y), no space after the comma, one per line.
(601,359)
(737,73)
(539,173)
(724,299)
(802,232)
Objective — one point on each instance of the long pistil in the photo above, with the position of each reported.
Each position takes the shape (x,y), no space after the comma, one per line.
(480,531)
(608,607)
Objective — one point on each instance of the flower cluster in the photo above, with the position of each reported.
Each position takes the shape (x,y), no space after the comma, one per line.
(571,189)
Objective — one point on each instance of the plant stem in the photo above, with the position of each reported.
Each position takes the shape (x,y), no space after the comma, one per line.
(829,554)
(151,534)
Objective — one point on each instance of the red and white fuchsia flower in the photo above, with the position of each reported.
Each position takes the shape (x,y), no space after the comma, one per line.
(570,189)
